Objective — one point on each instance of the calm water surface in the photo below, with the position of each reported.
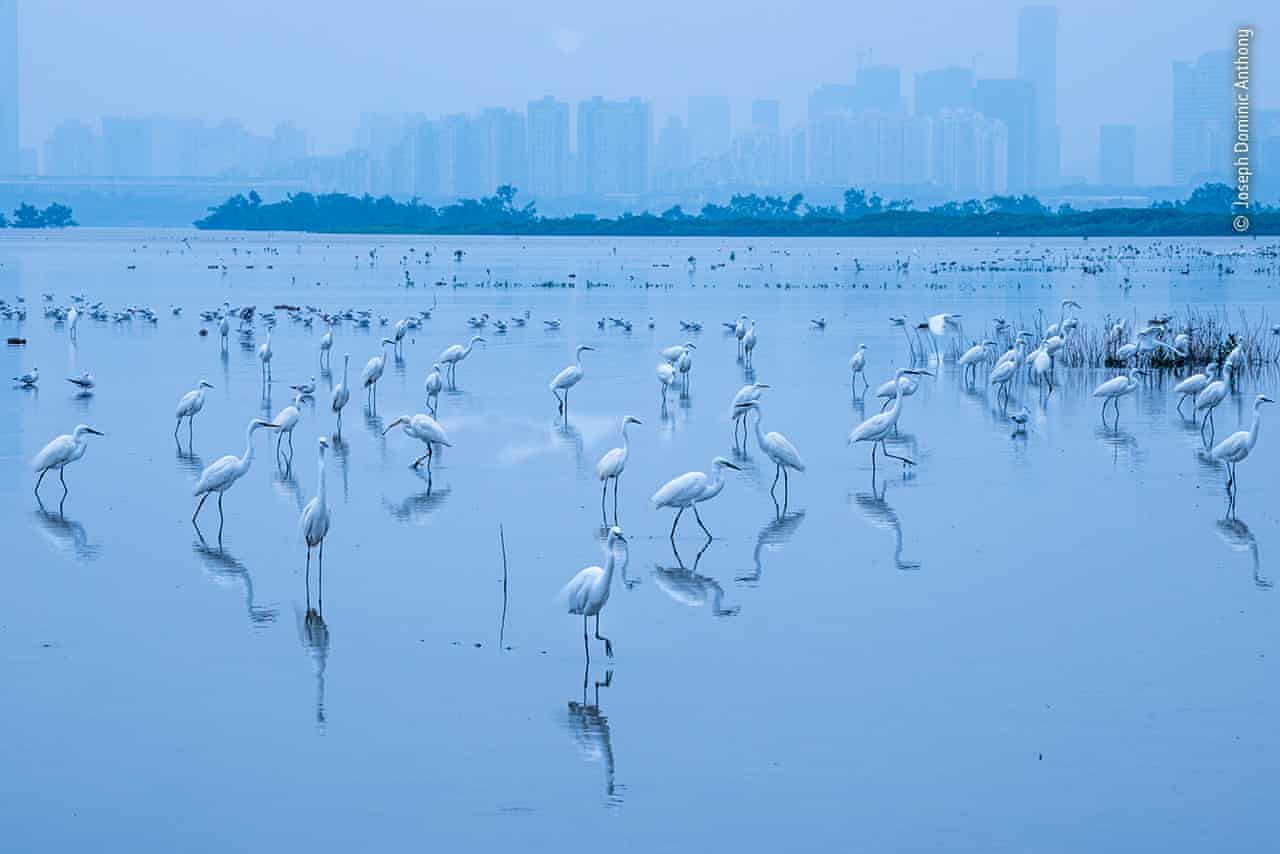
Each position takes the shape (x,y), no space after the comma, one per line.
(1049,643)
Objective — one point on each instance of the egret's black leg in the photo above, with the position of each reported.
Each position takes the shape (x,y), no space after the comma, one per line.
(38,480)
(608,645)
(674,524)
(198,506)
(700,524)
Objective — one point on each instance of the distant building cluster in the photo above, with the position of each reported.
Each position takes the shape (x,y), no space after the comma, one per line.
(959,135)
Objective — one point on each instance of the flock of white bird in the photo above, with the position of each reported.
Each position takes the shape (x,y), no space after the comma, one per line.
(588,592)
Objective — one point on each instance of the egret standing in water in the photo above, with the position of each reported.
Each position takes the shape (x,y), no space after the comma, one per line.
(876,428)
(746,394)
(341,393)
(666,377)
(433,386)
(222,474)
(73,320)
(454,354)
(1236,447)
(1194,384)
(264,354)
(1208,400)
(858,368)
(567,379)
(777,448)
(188,407)
(1115,388)
(425,429)
(61,452)
(690,489)
(224,330)
(588,591)
(611,466)
(326,346)
(740,331)
(314,522)
(749,344)
(373,372)
(285,421)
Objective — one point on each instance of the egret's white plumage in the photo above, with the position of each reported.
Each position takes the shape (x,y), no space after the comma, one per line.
(1194,384)
(455,353)
(341,392)
(588,591)
(1236,447)
(1115,388)
(612,464)
(425,429)
(691,488)
(61,452)
(880,425)
(776,447)
(433,385)
(568,378)
(313,524)
(222,474)
(189,406)
(373,371)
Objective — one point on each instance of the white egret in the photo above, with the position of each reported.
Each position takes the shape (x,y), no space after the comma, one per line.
(611,466)
(398,332)
(666,377)
(673,353)
(264,354)
(313,525)
(1207,401)
(341,392)
(740,330)
(455,353)
(326,346)
(567,379)
(305,389)
(189,406)
(684,366)
(749,343)
(974,356)
(880,425)
(222,474)
(61,452)
(73,319)
(84,382)
(777,448)
(433,385)
(905,385)
(689,489)
(939,325)
(858,367)
(425,429)
(1194,384)
(746,394)
(1115,388)
(224,329)
(373,372)
(1236,447)
(29,378)
(588,591)
(284,422)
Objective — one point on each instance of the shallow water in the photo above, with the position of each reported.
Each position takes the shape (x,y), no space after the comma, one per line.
(1055,642)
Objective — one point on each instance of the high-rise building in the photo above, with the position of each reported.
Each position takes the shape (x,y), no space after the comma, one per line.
(1203,109)
(71,150)
(1012,102)
(969,153)
(709,126)
(943,89)
(126,147)
(879,90)
(548,147)
(1038,65)
(613,146)
(10,158)
(671,156)
(833,99)
(1117,154)
(766,116)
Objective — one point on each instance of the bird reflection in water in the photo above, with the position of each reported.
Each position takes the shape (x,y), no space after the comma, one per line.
(1239,538)
(342,455)
(225,569)
(314,634)
(1118,440)
(689,588)
(567,436)
(422,504)
(189,460)
(590,730)
(876,510)
(67,535)
(286,485)
(771,538)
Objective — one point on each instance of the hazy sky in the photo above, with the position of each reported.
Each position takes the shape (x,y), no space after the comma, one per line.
(323,63)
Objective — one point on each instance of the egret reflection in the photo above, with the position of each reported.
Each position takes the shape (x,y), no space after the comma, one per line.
(1239,538)
(771,538)
(591,733)
(877,511)
(225,569)
(692,589)
(66,535)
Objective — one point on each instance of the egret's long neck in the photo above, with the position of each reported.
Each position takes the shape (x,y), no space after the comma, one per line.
(897,401)
(346,364)
(626,444)
(759,432)
(1257,422)
(320,493)
(248,448)
(608,567)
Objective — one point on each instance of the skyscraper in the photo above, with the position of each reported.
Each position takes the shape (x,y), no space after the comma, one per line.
(709,126)
(766,116)
(879,89)
(71,150)
(1012,102)
(613,146)
(943,89)
(548,147)
(10,160)
(1202,115)
(1038,65)
(1117,154)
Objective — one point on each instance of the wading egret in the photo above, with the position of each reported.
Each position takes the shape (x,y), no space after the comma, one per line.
(666,377)
(1194,384)
(341,393)
(1207,401)
(974,356)
(189,406)
(689,489)
(673,353)
(611,466)
(567,379)
(684,366)
(1237,446)
(777,448)
(224,329)
(284,422)
(588,591)
(880,425)
(749,343)
(746,394)
(326,346)
(73,320)
(425,429)
(858,367)
(740,331)
(63,450)
(433,385)
(1115,388)
(455,353)
(373,372)
(264,354)
(222,474)
(313,525)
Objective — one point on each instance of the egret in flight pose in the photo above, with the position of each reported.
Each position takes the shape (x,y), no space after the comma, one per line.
(222,474)
(858,367)
(777,448)
(63,450)
(341,393)
(690,489)
(454,354)
(1194,384)
(373,372)
(611,466)
(1115,388)
(433,386)
(1237,446)
(880,425)
(314,522)
(588,591)
(746,394)
(425,429)
(190,404)
(567,379)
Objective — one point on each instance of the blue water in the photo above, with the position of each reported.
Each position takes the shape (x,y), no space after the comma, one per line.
(1057,642)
